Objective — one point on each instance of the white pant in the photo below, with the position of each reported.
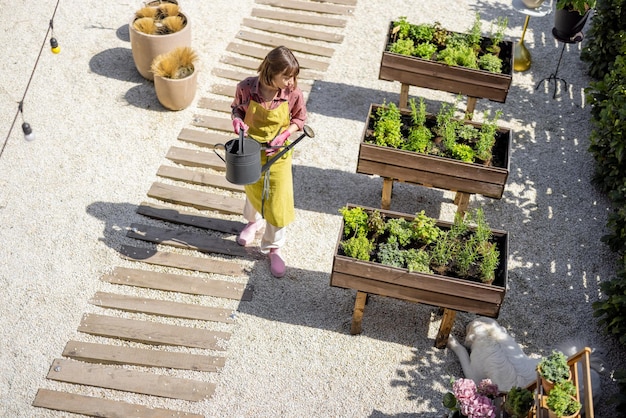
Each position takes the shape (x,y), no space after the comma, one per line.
(273,237)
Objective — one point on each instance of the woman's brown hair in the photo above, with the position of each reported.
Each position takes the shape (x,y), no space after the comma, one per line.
(279,60)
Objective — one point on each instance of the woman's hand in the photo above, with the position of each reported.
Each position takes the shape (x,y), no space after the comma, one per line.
(238,125)
(279,141)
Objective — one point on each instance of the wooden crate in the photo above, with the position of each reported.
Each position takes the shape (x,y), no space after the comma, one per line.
(432,289)
(434,171)
(439,76)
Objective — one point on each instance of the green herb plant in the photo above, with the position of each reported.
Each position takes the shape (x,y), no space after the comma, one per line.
(518,402)
(561,400)
(554,367)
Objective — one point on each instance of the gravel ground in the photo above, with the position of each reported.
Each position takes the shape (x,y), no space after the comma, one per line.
(67,199)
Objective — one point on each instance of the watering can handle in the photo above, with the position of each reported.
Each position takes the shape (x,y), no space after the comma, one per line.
(215,150)
(307,132)
(241,141)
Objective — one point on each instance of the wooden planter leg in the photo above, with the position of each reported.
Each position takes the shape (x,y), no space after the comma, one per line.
(461,200)
(357,314)
(404,96)
(471,105)
(444,329)
(387,189)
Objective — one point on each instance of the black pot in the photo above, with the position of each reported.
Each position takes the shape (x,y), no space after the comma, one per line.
(568,25)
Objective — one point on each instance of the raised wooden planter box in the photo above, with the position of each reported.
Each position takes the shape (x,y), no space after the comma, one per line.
(434,171)
(431,289)
(439,76)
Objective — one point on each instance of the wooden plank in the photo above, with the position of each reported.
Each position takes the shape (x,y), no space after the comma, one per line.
(100,407)
(195,177)
(447,322)
(194,241)
(203,138)
(219,105)
(217,123)
(261,52)
(152,332)
(224,90)
(166,259)
(291,30)
(198,199)
(196,158)
(357,313)
(299,18)
(162,307)
(118,354)
(112,377)
(334,9)
(187,218)
(274,41)
(253,64)
(346,2)
(179,283)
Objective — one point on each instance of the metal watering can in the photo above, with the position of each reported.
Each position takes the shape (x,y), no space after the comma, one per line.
(243,157)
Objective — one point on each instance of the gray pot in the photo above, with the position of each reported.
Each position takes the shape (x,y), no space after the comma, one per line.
(243,160)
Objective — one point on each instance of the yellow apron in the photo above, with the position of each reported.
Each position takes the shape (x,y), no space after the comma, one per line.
(277,205)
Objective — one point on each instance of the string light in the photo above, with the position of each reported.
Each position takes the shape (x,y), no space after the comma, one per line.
(54,44)
(26,128)
(28,131)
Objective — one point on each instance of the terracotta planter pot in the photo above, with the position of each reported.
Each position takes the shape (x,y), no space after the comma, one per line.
(546,384)
(176,94)
(435,171)
(553,415)
(146,47)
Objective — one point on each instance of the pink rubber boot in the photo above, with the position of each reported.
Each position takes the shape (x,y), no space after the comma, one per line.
(248,233)
(277,264)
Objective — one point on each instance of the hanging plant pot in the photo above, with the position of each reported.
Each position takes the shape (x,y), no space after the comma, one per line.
(568,25)
(146,47)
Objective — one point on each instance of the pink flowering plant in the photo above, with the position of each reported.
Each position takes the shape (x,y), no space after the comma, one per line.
(470,400)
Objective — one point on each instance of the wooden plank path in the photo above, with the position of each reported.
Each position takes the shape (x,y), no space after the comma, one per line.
(179,283)
(193,178)
(100,407)
(117,354)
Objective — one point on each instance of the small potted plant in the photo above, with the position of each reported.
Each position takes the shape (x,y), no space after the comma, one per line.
(518,402)
(570,18)
(155,29)
(561,401)
(175,77)
(553,370)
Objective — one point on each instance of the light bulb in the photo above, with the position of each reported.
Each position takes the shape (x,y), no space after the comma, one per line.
(28,132)
(54,46)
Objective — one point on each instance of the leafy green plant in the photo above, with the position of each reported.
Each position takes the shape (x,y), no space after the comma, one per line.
(417,260)
(400,228)
(390,254)
(403,47)
(462,152)
(354,221)
(518,402)
(388,126)
(424,228)
(605,37)
(581,6)
(420,136)
(497,35)
(358,247)
(424,50)
(561,399)
(554,367)
(491,63)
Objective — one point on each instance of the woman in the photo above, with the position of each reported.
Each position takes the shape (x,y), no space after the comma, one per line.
(269,108)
